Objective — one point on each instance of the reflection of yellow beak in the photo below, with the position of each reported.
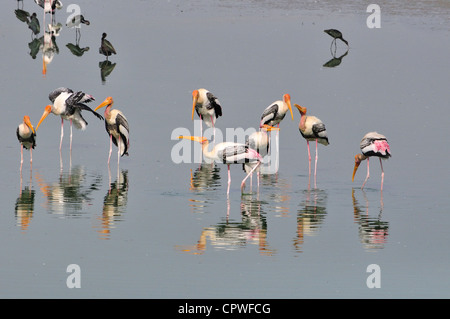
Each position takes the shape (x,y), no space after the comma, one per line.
(194,101)
(47,111)
(357,162)
(194,138)
(106,102)
(27,121)
(44,69)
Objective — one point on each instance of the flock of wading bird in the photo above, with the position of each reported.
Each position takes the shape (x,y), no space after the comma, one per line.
(69,104)
(251,154)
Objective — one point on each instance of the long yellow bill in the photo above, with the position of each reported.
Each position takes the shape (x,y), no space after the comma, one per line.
(26,120)
(355,168)
(107,101)
(194,101)
(194,138)
(47,111)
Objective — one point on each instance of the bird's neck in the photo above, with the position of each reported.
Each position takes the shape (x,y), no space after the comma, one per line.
(361,157)
(302,125)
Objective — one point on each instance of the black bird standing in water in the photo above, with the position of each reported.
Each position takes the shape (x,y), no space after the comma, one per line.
(336,34)
(106,48)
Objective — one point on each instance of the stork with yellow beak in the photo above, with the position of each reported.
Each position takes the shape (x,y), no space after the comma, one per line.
(27,138)
(207,106)
(117,127)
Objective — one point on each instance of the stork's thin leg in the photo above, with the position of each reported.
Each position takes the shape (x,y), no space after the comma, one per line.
(71,136)
(110,148)
(309,157)
(62,134)
(251,172)
(229,180)
(118,152)
(382,174)
(21,157)
(367,177)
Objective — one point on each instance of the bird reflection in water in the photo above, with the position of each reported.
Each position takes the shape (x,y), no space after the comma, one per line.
(76,23)
(106,68)
(310,216)
(69,196)
(49,48)
(233,235)
(203,180)
(335,61)
(373,231)
(24,207)
(114,204)
(279,193)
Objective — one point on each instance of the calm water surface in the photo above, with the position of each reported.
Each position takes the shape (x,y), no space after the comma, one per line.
(156,229)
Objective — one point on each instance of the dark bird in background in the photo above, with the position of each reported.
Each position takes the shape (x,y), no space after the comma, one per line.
(335,34)
(106,48)
(33,24)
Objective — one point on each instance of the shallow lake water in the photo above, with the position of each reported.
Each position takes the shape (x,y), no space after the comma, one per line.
(156,228)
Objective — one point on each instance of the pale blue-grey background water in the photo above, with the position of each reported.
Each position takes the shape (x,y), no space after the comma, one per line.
(164,230)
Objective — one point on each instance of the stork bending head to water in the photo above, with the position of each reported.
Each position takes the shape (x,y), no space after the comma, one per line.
(228,153)
(335,34)
(372,144)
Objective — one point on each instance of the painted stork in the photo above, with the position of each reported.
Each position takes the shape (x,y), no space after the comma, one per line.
(228,153)
(207,106)
(335,34)
(27,138)
(106,48)
(372,144)
(312,129)
(259,141)
(117,127)
(69,104)
(276,112)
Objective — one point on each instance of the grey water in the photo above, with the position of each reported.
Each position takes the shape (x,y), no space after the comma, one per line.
(154,228)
